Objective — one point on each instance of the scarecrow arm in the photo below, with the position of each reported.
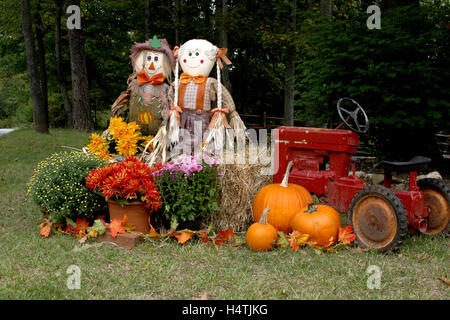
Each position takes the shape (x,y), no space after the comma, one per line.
(167,100)
(121,104)
(166,112)
(227,103)
(227,100)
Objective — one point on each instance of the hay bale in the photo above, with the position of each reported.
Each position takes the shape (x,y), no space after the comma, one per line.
(240,184)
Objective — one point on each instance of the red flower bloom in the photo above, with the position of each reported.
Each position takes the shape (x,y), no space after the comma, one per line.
(128,180)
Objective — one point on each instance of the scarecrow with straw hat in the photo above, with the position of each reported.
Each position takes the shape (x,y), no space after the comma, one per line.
(146,99)
(200,99)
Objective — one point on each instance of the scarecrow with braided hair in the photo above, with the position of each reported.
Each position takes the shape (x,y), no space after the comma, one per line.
(198,98)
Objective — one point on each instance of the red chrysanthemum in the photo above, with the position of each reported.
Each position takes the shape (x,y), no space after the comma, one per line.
(130,180)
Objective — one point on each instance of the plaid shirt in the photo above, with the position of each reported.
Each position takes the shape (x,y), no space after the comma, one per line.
(190,95)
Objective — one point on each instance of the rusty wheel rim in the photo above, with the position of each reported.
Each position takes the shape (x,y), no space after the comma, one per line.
(439,211)
(375,221)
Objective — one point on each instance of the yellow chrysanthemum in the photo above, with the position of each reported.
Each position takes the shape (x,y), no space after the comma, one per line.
(104,154)
(96,142)
(127,147)
(117,128)
(145,141)
(99,146)
(126,136)
(133,126)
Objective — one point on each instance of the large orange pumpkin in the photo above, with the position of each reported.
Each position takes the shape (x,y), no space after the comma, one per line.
(320,221)
(284,200)
(261,235)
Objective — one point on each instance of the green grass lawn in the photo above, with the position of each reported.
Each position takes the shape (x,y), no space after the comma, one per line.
(32,267)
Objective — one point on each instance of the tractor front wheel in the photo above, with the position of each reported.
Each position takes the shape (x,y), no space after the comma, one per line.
(436,195)
(378,218)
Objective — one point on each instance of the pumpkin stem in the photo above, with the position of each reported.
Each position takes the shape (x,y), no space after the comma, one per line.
(284,183)
(311,207)
(263,219)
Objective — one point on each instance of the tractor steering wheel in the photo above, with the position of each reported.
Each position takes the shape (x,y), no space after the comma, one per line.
(355,126)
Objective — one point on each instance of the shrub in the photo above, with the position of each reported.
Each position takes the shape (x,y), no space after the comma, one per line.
(189,188)
(58,186)
(56,115)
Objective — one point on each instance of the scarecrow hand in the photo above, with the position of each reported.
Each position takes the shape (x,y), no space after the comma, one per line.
(175,51)
(225,110)
(234,114)
(177,110)
(219,113)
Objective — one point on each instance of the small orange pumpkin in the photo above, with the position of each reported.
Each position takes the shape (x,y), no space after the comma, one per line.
(284,199)
(261,236)
(145,117)
(320,221)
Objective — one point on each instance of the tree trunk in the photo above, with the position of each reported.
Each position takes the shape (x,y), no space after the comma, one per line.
(59,66)
(40,113)
(81,111)
(177,22)
(147,20)
(207,12)
(289,74)
(222,9)
(41,54)
(326,9)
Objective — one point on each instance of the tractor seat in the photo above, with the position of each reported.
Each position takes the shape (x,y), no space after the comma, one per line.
(360,154)
(414,164)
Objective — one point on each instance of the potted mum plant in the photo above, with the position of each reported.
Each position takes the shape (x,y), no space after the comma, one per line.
(189,188)
(58,187)
(129,189)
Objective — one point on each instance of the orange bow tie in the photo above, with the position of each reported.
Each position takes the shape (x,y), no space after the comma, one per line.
(143,78)
(185,78)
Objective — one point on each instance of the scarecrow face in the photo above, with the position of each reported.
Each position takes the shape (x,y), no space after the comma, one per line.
(153,62)
(197,57)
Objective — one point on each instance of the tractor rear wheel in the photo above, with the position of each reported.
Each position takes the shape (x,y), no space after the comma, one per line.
(378,218)
(436,197)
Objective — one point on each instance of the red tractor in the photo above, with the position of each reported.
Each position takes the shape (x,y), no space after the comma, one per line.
(380,216)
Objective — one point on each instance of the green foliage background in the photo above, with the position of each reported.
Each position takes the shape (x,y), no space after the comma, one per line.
(399,73)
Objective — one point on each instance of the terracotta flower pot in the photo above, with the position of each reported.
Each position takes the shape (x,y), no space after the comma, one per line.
(138,215)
